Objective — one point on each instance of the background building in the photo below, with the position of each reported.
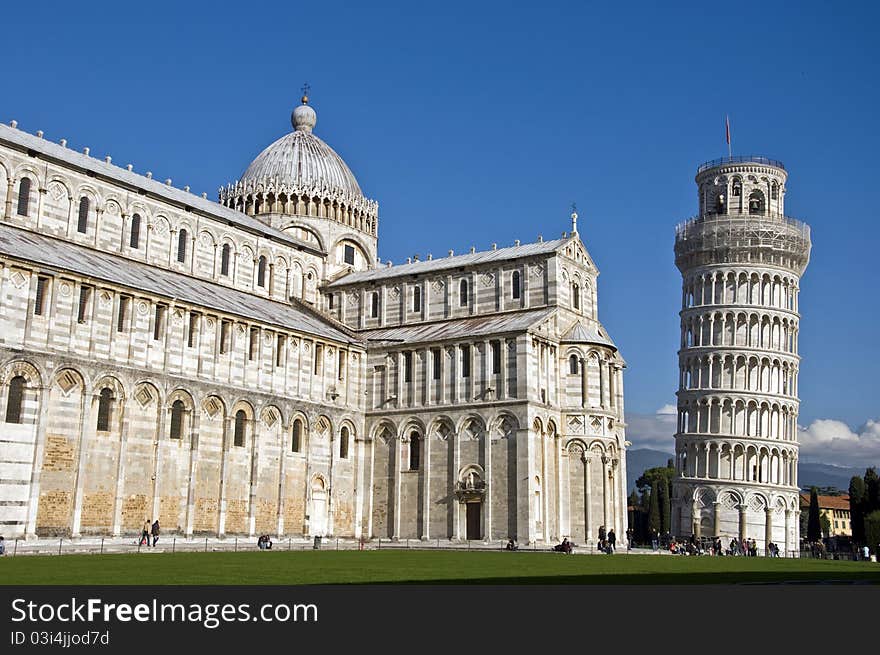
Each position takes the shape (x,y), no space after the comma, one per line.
(249,366)
(741,260)
(835,509)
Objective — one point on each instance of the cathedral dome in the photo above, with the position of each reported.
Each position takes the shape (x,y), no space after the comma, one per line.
(300,175)
(301,159)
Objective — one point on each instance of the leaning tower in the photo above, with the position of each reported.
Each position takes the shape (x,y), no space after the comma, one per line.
(736,447)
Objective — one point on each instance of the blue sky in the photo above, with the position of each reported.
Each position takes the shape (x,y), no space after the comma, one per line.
(475,123)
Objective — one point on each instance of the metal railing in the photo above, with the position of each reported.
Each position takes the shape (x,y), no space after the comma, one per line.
(740,159)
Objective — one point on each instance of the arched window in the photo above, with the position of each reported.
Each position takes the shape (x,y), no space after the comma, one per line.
(24,196)
(417,299)
(573,365)
(82,224)
(414,451)
(343,443)
(177,408)
(240,418)
(756,202)
(261,272)
(15,399)
(224,260)
(575,296)
(181,246)
(374,305)
(296,440)
(105,407)
(515,290)
(737,188)
(135,231)
(774,191)
(463,293)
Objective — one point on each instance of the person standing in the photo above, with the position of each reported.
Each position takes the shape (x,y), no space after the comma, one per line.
(145,533)
(612,541)
(2,546)
(155,531)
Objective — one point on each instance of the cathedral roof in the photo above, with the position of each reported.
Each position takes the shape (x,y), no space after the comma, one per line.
(65,256)
(451,262)
(164,191)
(589,334)
(474,326)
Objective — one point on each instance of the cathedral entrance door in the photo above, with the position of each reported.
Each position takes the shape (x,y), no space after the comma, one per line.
(473,521)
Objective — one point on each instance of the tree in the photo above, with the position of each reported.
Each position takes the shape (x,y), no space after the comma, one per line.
(664,504)
(654,511)
(814,526)
(857,497)
(872,532)
(659,481)
(825,522)
(872,491)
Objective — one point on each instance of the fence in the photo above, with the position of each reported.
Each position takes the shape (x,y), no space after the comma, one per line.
(133,545)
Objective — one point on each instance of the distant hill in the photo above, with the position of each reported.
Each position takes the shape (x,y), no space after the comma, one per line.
(809,474)
(641,459)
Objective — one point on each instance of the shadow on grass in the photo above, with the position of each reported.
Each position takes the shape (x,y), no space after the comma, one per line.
(677,578)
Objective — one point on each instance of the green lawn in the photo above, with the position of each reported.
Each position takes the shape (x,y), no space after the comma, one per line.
(444,567)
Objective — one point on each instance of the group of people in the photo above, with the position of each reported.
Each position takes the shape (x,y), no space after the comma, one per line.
(607,541)
(564,547)
(149,531)
(743,547)
(264,542)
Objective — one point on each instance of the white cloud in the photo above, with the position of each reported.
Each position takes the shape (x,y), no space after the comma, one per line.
(829,441)
(824,441)
(655,431)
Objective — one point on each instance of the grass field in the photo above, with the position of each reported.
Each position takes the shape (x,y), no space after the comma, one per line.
(427,567)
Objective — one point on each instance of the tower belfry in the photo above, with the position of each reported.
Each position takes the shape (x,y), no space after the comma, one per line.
(736,450)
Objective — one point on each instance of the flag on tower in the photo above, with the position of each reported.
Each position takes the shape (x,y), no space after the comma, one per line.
(727,130)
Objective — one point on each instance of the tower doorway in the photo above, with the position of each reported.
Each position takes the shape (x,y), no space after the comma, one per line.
(474,531)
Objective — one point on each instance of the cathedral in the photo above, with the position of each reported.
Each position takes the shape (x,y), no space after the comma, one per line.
(249,366)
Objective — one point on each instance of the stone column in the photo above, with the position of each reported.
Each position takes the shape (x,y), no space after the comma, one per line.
(253,470)
(768,529)
(398,462)
(605,492)
(716,507)
(37,464)
(502,392)
(426,487)
(10,186)
(788,545)
(88,420)
(696,520)
(456,505)
(369,489)
(195,416)
(588,497)
(120,467)
(742,522)
(584,388)
(286,433)
(487,497)
(224,458)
